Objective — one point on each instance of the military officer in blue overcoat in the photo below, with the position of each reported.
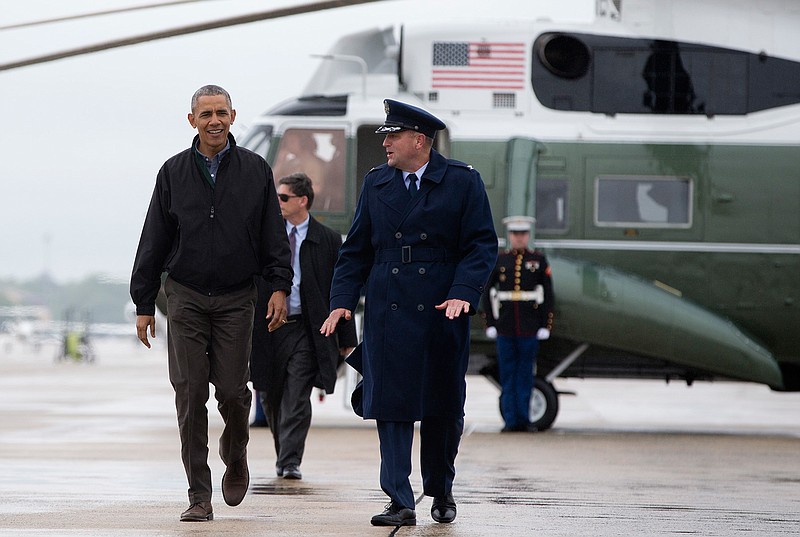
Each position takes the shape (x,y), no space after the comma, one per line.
(421,246)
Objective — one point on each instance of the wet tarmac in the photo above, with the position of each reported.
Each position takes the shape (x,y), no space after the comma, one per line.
(92,450)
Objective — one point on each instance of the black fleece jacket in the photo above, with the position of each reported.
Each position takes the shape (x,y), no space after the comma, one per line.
(213,239)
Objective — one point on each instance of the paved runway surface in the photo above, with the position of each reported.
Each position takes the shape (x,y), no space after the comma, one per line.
(92,450)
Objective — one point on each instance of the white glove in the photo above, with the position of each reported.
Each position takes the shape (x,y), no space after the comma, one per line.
(543,333)
(491,332)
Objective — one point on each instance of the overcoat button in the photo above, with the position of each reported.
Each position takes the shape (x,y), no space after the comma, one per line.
(398,235)
(423,236)
(422,270)
(420,307)
(394,307)
(395,270)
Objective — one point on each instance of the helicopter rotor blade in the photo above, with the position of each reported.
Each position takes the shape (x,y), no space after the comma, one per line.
(97,14)
(185,30)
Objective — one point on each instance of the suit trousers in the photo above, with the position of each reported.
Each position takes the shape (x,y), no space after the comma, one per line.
(209,339)
(439,441)
(289,409)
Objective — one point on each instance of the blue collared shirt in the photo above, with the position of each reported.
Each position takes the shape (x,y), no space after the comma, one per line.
(418,173)
(213,163)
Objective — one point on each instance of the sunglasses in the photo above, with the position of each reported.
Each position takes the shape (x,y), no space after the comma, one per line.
(285,197)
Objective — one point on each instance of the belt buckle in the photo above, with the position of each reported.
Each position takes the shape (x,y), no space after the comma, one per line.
(406,253)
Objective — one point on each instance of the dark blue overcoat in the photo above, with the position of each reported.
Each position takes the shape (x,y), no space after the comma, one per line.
(410,254)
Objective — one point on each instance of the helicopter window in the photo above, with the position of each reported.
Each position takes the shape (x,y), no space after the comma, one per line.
(551,205)
(646,201)
(319,153)
(258,139)
(619,75)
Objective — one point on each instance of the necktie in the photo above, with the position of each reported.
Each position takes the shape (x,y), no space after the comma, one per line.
(293,248)
(293,241)
(412,185)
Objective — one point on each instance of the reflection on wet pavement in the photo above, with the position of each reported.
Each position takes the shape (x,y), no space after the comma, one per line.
(92,450)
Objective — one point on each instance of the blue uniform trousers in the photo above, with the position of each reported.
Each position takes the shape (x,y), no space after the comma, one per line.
(439,440)
(516,356)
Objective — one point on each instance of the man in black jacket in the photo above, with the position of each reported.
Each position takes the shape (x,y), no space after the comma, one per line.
(213,225)
(287,364)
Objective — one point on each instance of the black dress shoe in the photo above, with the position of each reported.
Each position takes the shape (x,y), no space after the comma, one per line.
(279,470)
(198,512)
(515,429)
(292,472)
(395,515)
(444,509)
(235,482)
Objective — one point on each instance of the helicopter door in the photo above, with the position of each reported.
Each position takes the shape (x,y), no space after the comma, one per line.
(369,152)
(521,195)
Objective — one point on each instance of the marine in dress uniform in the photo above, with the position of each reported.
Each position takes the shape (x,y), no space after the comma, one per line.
(518,309)
(421,246)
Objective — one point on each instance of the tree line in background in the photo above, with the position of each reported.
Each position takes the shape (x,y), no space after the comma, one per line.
(95,298)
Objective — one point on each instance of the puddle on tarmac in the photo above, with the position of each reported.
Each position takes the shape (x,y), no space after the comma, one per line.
(280,489)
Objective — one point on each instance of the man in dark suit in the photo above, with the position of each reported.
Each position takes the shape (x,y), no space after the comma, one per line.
(422,246)
(286,364)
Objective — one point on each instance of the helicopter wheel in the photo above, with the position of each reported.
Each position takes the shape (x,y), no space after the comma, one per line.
(544,404)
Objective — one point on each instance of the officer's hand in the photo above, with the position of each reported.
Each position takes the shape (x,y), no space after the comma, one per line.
(543,333)
(491,332)
(329,326)
(453,307)
(143,322)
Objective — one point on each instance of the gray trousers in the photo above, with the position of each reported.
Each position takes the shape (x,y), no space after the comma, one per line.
(288,405)
(209,340)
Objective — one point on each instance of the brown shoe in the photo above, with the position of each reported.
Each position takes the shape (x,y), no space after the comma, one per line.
(235,482)
(198,512)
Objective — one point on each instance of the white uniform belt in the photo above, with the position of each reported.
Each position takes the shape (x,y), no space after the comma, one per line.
(521,296)
(496,297)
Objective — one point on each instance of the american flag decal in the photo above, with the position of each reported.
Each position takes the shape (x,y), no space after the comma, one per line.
(478,65)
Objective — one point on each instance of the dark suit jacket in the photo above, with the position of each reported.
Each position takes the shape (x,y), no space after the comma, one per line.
(318,254)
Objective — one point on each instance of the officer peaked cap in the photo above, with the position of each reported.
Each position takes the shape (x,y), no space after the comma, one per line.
(519,223)
(406,117)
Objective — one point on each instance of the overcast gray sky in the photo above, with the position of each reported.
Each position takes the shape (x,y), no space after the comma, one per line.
(84,137)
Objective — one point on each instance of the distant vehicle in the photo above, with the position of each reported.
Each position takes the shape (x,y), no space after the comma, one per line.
(657,147)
